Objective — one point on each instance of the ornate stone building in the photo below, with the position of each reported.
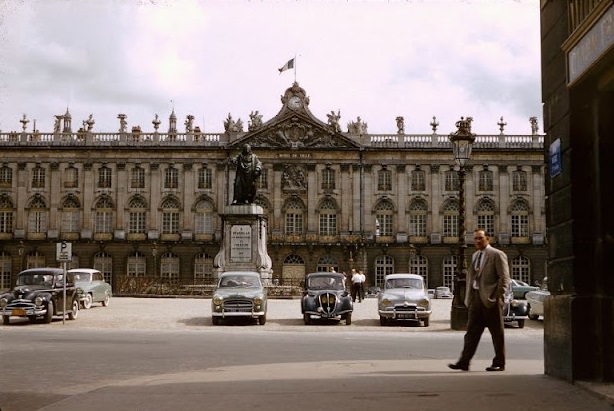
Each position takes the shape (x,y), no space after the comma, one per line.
(139,204)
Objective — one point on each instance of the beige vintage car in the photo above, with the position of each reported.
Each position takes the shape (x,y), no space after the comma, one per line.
(404,298)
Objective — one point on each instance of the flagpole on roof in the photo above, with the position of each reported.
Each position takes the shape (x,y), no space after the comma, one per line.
(295,68)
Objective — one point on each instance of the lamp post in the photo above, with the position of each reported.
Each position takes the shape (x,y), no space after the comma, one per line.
(154,253)
(462,140)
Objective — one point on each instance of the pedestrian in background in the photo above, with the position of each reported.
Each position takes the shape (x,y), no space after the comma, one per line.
(487,278)
(356,282)
(361,290)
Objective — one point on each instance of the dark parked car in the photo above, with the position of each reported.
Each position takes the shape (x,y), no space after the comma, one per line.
(39,293)
(239,294)
(94,289)
(514,309)
(325,297)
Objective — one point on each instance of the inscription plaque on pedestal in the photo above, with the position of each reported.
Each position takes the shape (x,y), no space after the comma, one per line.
(240,243)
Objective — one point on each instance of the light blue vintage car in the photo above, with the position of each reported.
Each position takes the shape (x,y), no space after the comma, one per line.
(94,289)
(239,294)
(404,298)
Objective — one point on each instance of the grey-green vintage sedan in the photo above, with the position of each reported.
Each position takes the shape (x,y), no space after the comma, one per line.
(239,294)
(404,298)
(94,289)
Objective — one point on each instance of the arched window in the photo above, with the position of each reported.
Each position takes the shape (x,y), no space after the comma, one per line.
(204,222)
(71,214)
(135,265)
(418,214)
(137,215)
(203,269)
(326,262)
(6,268)
(294,216)
(170,216)
(486,215)
(169,267)
(521,269)
(104,263)
(384,211)
(7,214)
(520,218)
(103,215)
(384,265)
(37,215)
(328,218)
(449,271)
(450,218)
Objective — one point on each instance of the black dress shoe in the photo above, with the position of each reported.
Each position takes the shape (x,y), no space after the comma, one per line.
(495,368)
(459,367)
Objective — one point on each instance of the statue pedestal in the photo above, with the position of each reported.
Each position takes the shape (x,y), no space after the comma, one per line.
(244,242)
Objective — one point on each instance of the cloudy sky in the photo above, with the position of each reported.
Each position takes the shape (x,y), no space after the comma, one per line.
(373,59)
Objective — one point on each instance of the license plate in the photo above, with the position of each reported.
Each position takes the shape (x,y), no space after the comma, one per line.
(406,316)
(19,311)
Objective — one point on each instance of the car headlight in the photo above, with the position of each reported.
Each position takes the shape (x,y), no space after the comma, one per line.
(424,302)
(515,303)
(3,302)
(38,300)
(258,301)
(386,302)
(217,300)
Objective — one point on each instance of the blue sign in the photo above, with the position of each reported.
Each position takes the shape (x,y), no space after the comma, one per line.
(555,158)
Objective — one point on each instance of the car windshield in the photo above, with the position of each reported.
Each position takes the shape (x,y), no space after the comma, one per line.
(325,283)
(35,279)
(81,276)
(403,283)
(231,281)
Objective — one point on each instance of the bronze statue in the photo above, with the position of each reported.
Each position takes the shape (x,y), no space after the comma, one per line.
(248,170)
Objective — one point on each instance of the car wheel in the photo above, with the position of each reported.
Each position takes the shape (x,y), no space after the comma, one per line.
(262,319)
(49,314)
(348,319)
(6,319)
(532,316)
(74,312)
(306,319)
(382,320)
(107,300)
(426,321)
(215,320)
(87,301)
(520,323)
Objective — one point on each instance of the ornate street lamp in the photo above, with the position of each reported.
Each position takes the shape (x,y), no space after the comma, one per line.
(462,141)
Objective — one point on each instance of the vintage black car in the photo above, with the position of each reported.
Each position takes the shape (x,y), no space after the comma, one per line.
(39,293)
(514,309)
(325,297)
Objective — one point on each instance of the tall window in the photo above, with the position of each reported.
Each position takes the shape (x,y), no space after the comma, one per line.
(451,182)
(135,265)
(384,180)
(419,264)
(521,268)
(449,271)
(171,178)
(328,218)
(204,178)
(520,219)
(203,269)
(103,215)
(384,265)
(137,215)
(450,218)
(5,270)
(105,178)
(169,267)
(71,177)
(328,179)
(294,217)
(137,177)
(384,210)
(263,180)
(37,216)
(6,177)
(38,177)
(35,259)
(6,214)
(71,214)
(104,263)
(204,218)
(486,181)
(418,210)
(170,216)
(519,180)
(486,216)
(418,180)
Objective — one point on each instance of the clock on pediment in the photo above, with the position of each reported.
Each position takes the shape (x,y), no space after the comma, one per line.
(295,102)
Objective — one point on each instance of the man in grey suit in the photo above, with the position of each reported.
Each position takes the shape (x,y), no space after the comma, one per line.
(487,278)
